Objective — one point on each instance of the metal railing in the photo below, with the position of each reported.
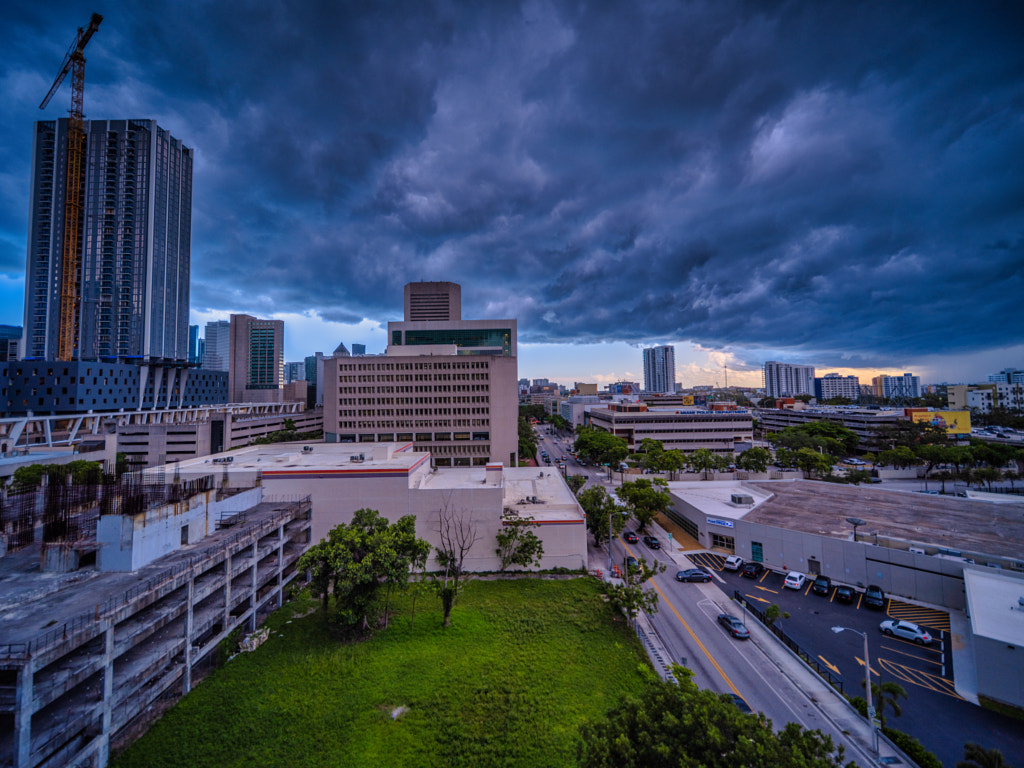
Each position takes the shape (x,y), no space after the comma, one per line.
(824,672)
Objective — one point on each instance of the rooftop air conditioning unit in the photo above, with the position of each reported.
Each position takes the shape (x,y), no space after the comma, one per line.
(307,449)
(742,499)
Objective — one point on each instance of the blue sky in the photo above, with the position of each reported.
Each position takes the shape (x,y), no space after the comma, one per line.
(832,183)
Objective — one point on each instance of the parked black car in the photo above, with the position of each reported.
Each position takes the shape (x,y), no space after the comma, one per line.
(752,570)
(822,586)
(845,594)
(652,542)
(631,537)
(874,597)
(693,574)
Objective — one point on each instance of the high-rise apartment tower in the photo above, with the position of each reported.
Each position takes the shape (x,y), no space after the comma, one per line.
(660,369)
(135,243)
(787,380)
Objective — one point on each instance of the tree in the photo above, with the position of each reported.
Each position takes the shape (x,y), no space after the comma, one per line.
(886,695)
(397,551)
(645,499)
(527,440)
(598,506)
(827,436)
(672,461)
(575,482)
(630,597)
(703,460)
(316,561)
(601,447)
(651,452)
(681,725)
(27,478)
(977,757)
(517,543)
(899,457)
(358,559)
(754,460)
(813,463)
(773,613)
(457,534)
(289,425)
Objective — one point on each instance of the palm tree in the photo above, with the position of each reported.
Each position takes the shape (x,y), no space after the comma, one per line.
(887,694)
(976,757)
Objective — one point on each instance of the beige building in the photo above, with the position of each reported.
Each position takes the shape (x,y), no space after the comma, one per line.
(256,370)
(396,479)
(449,387)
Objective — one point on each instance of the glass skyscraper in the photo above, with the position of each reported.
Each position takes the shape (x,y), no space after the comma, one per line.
(135,234)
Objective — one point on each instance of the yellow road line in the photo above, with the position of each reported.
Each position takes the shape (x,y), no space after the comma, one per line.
(914,656)
(773,591)
(696,639)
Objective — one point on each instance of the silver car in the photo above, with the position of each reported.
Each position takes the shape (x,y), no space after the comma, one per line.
(908,630)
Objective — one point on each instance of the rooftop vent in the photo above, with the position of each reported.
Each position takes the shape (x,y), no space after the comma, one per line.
(743,499)
(307,449)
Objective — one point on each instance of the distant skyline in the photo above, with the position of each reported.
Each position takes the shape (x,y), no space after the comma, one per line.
(834,184)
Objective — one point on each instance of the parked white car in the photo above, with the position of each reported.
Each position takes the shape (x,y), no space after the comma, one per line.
(794,580)
(733,563)
(908,630)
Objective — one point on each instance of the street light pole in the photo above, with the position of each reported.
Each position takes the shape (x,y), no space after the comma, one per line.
(867,685)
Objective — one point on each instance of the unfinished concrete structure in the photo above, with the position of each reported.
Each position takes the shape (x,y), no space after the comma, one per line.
(85,654)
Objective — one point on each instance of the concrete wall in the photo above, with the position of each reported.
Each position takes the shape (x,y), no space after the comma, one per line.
(1001,675)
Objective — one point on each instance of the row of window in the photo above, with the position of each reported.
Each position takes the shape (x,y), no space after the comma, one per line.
(377,365)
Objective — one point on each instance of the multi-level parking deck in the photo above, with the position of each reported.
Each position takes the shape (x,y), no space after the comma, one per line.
(80,664)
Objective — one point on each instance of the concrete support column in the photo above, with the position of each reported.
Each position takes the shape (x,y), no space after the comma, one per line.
(181,387)
(229,564)
(253,584)
(23,716)
(186,678)
(143,380)
(280,566)
(103,750)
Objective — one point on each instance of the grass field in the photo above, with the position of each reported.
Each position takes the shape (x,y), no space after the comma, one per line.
(508,684)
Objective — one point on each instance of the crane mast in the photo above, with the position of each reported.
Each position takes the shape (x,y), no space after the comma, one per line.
(74,61)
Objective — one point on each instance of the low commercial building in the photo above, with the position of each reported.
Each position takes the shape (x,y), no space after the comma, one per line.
(396,479)
(87,650)
(686,429)
(934,549)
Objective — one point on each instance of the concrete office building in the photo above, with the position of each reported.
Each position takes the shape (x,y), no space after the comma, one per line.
(217,351)
(660,369)
(449,386)
(787,380)
(1007,376)
(686,430)
(832,385)
(294,372)
(933,549)
(86,652)
(982,398)
(132,286)
(256,373)
(905,386)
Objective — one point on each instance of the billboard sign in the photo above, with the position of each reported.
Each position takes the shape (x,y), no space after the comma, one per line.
(954,422)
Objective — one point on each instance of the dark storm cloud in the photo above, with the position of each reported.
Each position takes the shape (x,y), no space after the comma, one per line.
(842,181)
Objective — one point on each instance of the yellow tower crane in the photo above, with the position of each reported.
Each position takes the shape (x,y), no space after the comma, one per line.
(75,62)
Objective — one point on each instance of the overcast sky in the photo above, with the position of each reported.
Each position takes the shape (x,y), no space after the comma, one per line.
(832,183)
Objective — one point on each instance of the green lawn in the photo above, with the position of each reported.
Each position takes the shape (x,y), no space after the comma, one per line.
(523,664)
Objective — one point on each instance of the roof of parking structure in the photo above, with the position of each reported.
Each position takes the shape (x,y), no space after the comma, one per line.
(948,522)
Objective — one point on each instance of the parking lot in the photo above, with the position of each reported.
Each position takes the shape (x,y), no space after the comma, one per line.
(933,712)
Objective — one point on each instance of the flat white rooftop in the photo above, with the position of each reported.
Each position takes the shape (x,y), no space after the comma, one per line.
(519,487)
(992,597)
(293,458)
(714,498)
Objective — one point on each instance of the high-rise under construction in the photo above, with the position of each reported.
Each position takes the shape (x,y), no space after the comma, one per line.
(135,227)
